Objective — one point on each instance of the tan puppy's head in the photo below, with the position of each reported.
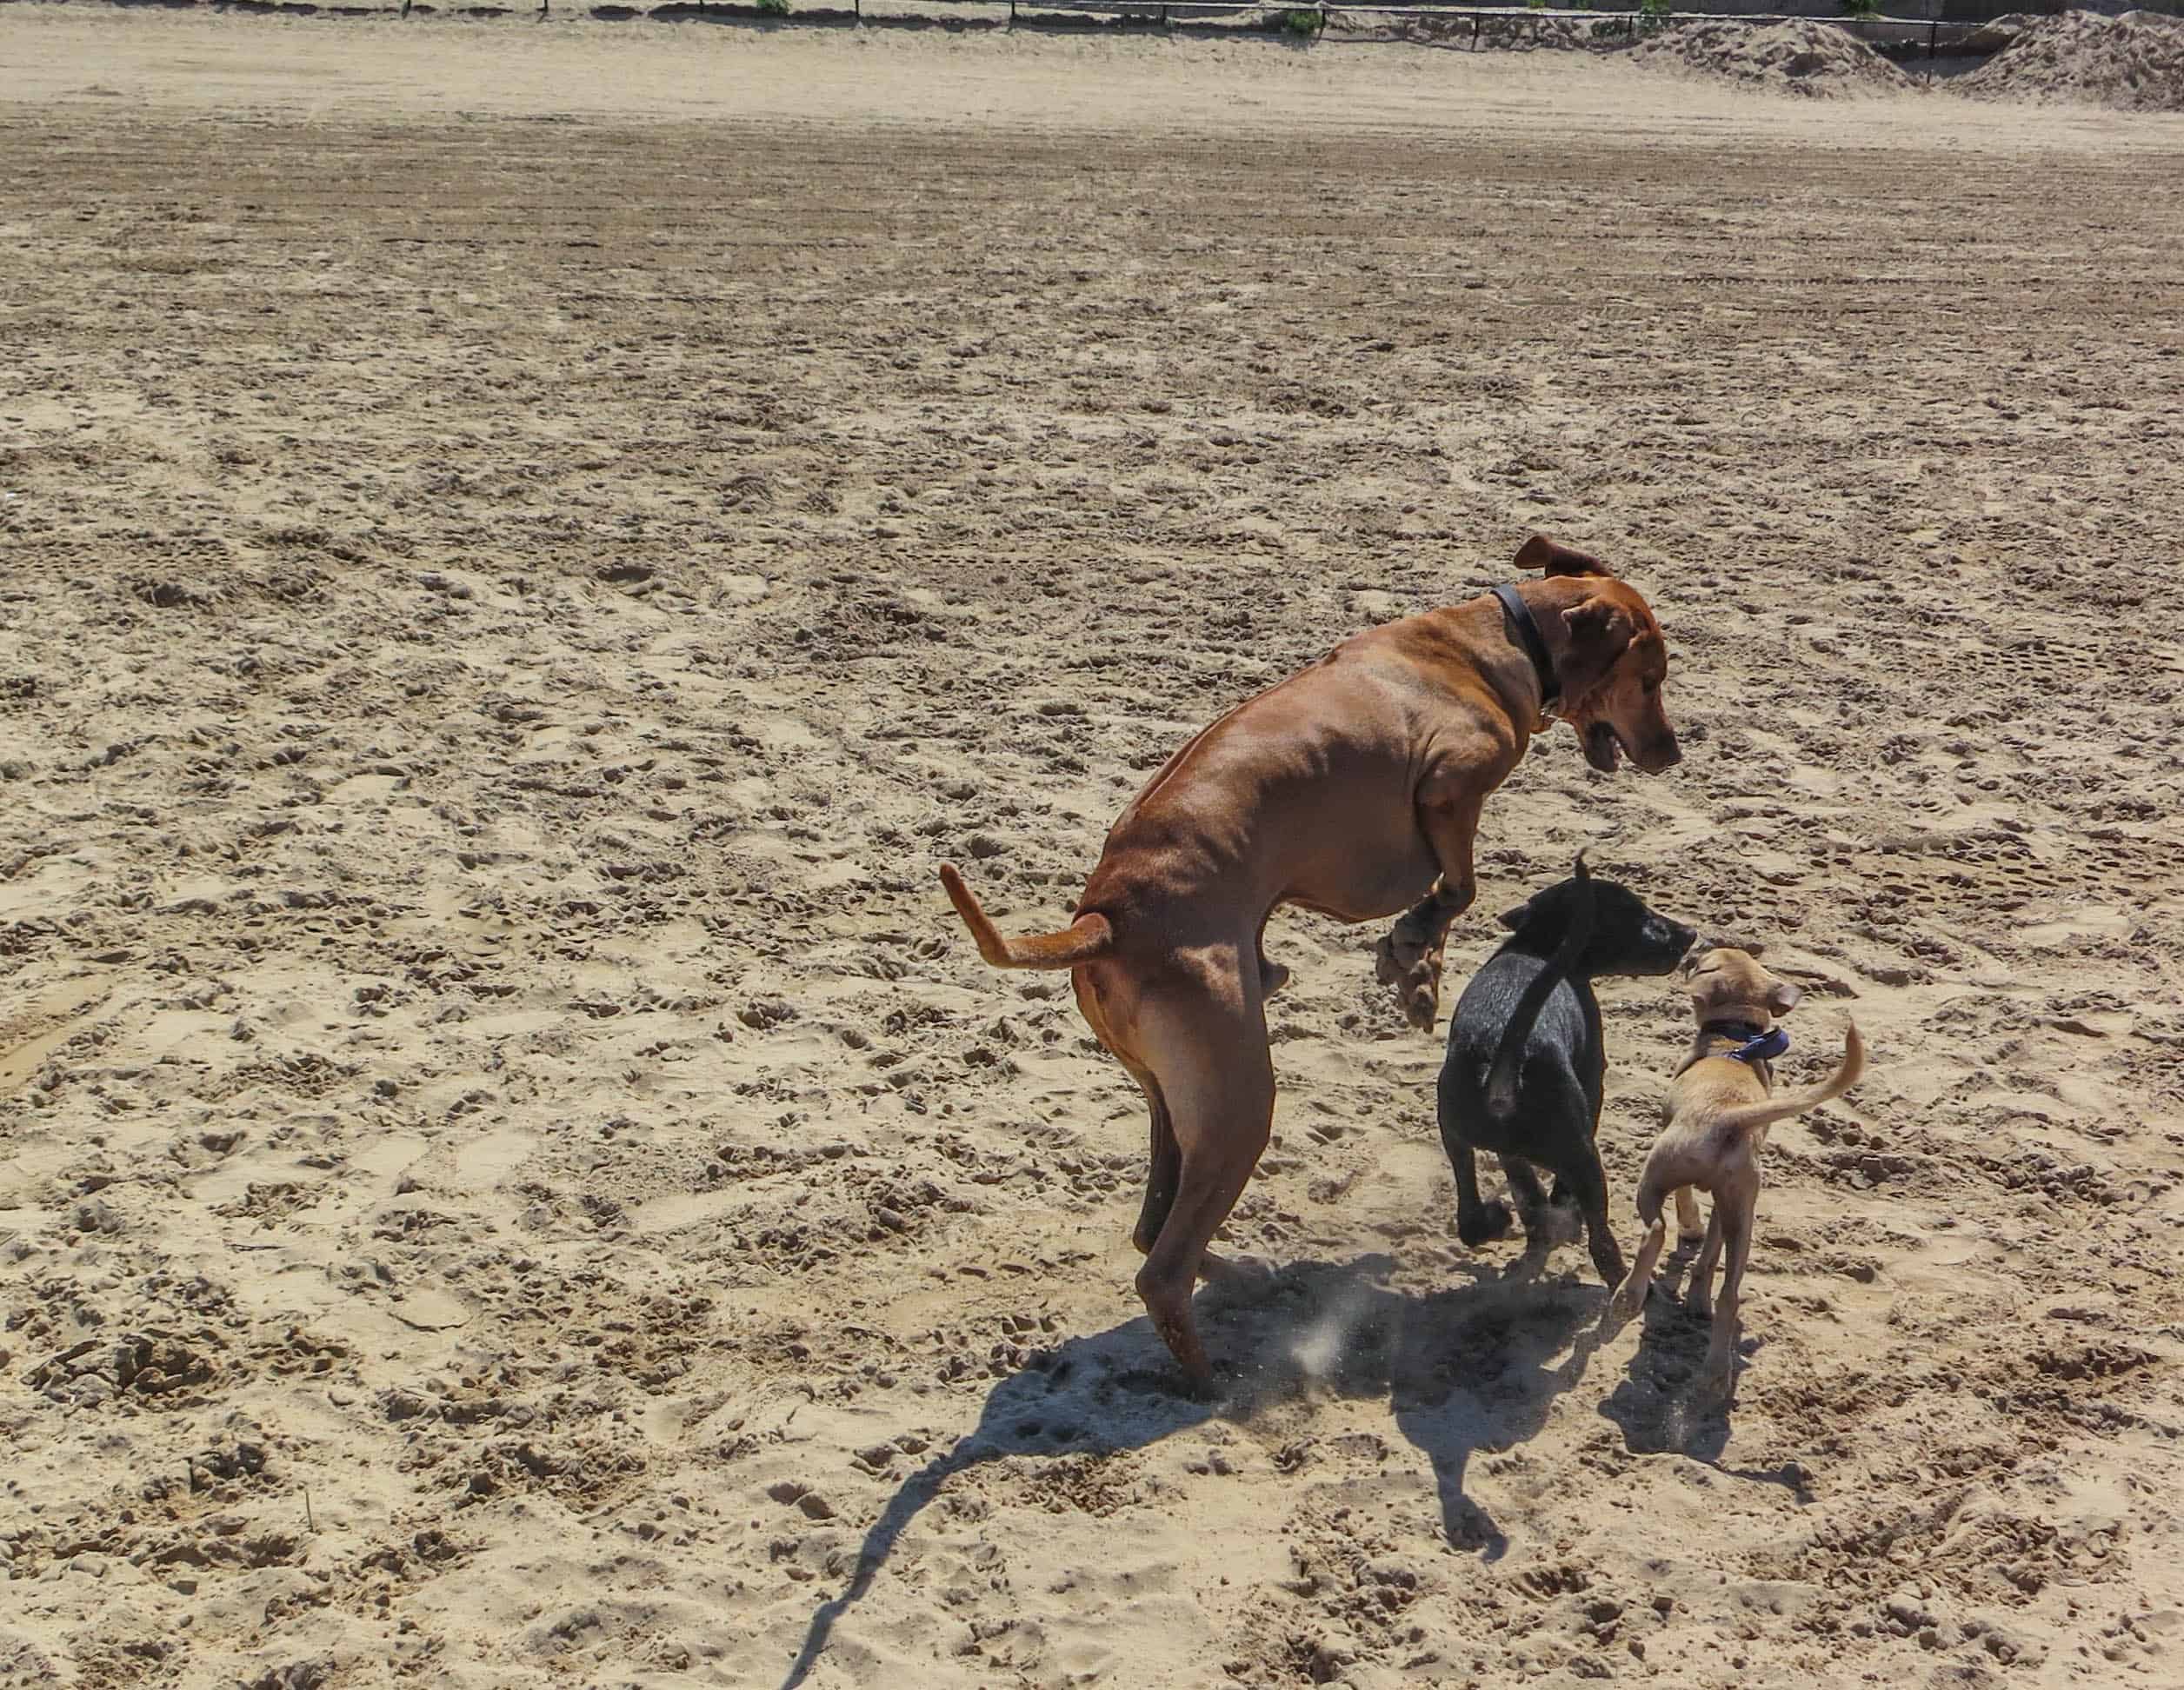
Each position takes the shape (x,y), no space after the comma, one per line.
(1729,985)
(1611,664)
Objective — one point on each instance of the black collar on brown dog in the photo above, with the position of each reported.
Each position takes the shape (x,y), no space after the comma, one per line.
(1527,633)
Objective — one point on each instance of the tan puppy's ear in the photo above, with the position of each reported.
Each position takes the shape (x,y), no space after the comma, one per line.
(1782,997)
(1552,557)
(1598,633)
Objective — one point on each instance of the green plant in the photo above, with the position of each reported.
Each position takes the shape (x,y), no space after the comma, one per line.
(1652,14)
(1297,22)
(772,8)
(1861,8)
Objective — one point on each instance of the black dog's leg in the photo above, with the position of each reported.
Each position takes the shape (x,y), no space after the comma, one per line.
(1477,1222)
(1588,1183)
(1531,1201)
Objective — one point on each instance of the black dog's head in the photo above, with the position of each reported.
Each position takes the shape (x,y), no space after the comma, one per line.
(1627,938)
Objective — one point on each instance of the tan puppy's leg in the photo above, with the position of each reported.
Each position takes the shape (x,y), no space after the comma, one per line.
(1688,1226)
(1718,1373)
(1630,1295)
(1699,1295)
(1202,1031)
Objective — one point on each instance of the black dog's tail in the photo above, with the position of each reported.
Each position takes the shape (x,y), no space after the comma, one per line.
(1509,1056)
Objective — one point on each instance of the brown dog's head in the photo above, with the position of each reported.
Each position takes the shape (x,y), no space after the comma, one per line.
(1727,985)
(1611,663)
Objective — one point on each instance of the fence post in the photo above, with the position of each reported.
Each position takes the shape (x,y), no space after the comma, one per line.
(1476,20)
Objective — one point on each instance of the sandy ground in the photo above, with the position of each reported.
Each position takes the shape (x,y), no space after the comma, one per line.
(525,545)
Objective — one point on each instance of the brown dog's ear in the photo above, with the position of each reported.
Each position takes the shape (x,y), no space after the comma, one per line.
(1553,558)
(1782,997)
(1598,633)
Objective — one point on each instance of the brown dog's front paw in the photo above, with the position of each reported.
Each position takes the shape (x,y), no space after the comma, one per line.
(1415,971)
(1395,956)
(1422,1002)
(1420,991)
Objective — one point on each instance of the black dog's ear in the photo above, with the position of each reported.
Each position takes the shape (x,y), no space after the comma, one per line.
(1552,557)
(1514,918)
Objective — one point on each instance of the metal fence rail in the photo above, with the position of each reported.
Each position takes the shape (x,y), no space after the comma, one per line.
(1931,31)
(1933,28)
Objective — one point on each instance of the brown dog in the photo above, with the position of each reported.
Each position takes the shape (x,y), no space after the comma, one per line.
(1346,789)
(1719,1112)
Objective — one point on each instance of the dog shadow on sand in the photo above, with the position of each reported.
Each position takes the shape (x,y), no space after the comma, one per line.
(1476,1367)
(1660,1405)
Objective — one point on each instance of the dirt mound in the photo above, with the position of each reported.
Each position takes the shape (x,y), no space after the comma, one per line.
(1507,34)
(1997,33)
(2134,62)
(1815,59)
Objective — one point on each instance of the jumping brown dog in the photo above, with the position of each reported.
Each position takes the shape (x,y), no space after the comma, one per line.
(1346,789)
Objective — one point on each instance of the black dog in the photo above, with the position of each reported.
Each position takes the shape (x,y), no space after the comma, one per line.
(1526,1063)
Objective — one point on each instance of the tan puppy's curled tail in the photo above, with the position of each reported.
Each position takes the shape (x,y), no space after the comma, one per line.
(1083,939)
(1754,1116)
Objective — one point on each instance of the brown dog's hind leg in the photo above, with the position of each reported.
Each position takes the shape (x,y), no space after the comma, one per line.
(1163,1167)
(1206,1045)
(1163,1173)
(1688,1226)
(1273,976)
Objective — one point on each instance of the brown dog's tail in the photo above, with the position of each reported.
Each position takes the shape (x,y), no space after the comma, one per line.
(1084,939)
(1754,1116)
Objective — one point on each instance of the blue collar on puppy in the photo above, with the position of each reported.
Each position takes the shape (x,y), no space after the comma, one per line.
(1756,1046)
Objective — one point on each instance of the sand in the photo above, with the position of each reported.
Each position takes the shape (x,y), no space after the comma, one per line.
(525,545)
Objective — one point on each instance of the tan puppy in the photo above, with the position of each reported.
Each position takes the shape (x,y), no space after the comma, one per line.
(1719,1112)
